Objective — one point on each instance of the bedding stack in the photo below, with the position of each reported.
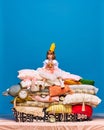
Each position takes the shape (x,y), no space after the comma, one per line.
(41,101)
(83,100)
(52,94)
(79,97)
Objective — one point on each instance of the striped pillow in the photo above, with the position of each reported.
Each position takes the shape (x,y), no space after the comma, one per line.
(60,108)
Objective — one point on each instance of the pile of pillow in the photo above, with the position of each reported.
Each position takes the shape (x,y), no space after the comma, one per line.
(83,99)
(77,97)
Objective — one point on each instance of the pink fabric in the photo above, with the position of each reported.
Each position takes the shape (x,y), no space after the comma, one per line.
(57,72)
(95,124)
(29,74)
(26,74)
(45,99)
(26,83)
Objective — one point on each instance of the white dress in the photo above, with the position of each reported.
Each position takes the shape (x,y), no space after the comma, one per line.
(53,76)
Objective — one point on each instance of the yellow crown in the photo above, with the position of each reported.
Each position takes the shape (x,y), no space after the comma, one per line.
(52,47)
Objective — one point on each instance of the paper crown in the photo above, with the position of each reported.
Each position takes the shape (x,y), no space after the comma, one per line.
(52,47)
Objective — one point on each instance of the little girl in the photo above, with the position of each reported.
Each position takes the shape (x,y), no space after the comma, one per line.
(50,63)
(52,73)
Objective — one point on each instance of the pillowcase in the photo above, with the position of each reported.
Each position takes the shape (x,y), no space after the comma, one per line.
(77,98)
(57,90)
(28,74)
(84,90)
(77,109)
(84,86)
(60,108)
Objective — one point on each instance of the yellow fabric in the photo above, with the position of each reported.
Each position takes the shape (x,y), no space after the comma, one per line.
(60,108)
(52,47)
(71,82)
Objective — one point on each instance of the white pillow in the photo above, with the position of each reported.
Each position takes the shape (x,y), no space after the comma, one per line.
(28,74)
(84,86)
(77,98)
(26,83)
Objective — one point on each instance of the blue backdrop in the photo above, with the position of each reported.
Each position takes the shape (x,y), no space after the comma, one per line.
(27,28)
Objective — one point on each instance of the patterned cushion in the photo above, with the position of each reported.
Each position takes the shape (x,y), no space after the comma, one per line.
(84,90)
(84,87)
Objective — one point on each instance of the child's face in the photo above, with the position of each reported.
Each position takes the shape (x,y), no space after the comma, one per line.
(50,56)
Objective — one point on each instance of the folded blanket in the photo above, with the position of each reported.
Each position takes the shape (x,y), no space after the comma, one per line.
(84,88)
(87,81)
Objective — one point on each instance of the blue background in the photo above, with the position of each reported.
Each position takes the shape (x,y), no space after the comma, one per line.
(27,28)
